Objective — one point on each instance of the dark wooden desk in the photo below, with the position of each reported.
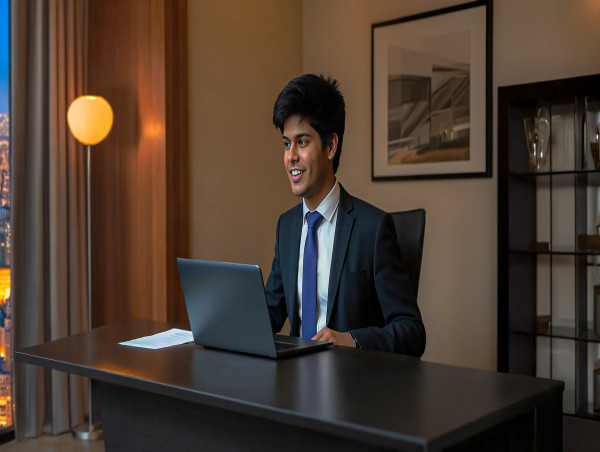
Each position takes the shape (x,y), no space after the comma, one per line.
(190,398)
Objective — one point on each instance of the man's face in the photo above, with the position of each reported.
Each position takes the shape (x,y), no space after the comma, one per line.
(309,167)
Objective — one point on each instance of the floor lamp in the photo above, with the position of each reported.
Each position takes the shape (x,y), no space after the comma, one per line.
(90,119)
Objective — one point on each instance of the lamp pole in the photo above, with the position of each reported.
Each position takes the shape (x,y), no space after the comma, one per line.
(94,429)
(90,431)
(90,120)
(89,239)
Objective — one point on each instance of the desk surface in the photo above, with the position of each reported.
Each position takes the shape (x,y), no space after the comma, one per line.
(375,397)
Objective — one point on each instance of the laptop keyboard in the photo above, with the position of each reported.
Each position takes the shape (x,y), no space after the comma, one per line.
(283,345)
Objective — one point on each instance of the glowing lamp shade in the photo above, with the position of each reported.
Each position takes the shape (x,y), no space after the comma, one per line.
(90,119)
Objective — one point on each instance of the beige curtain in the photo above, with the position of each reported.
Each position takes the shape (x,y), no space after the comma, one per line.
(48,50)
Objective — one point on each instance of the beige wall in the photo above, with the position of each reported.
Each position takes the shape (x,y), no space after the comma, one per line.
(243,52)
(457,294)
(534,40)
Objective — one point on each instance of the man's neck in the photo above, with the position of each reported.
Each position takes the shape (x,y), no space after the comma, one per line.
(314,202)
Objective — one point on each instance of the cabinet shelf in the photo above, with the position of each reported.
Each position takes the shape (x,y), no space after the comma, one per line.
(590,335)
(558,250)
(591,177)
(587,413)
(547,242)
(569,333)
(561,332)
(530,175)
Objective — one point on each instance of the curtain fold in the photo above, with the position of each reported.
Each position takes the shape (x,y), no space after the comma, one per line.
(49,267)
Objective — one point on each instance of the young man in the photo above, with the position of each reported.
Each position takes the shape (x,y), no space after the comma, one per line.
(336,272)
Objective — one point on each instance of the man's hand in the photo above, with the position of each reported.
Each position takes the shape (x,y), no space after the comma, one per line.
(329,335)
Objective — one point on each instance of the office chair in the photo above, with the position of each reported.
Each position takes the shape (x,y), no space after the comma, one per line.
(410,231)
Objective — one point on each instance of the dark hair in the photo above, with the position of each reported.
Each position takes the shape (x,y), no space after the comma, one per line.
(318,100)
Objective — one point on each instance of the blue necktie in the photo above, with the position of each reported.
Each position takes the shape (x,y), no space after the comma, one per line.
(309,276)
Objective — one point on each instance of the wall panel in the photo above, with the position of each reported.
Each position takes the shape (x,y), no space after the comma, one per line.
(138,195)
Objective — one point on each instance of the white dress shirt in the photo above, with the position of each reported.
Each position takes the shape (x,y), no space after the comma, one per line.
(325,234)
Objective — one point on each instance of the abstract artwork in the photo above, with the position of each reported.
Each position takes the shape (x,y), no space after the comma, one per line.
(431,83)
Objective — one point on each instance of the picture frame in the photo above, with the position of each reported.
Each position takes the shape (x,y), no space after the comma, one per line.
(431,80)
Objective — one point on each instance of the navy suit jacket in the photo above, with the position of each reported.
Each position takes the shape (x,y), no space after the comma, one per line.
(369,294)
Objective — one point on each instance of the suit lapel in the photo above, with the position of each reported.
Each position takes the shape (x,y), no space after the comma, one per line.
(343,231)
(292,295)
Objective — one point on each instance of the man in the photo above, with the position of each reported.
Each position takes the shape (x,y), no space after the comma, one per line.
(336,274)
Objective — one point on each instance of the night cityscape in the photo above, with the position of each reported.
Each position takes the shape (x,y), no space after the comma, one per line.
(6,386)
(6,411)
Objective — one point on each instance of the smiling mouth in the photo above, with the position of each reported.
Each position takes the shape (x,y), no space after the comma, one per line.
(296,172)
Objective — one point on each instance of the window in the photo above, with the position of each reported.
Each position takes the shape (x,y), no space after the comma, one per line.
(6,399)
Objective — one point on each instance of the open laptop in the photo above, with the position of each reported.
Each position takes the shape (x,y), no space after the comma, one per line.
(227,308)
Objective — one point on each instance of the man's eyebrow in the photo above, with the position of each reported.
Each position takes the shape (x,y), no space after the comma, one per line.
(300,135)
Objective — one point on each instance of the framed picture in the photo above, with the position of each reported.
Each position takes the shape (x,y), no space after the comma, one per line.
(432,94)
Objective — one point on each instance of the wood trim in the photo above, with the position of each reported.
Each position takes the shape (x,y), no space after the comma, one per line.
(137,60)
(177,170)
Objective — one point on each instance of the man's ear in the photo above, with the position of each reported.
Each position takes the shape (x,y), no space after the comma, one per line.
(332,146)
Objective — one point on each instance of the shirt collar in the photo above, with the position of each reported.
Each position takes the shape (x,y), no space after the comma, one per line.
(328,206)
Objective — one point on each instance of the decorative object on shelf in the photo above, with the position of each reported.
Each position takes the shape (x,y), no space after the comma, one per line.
(597,387)
(432,94)
(596,270)
(597,309)
(90,119)
(594,148)
(588,242)
(543,323)
(537,135)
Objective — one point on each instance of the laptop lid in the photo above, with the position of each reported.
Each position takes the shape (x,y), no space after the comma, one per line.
(227,308)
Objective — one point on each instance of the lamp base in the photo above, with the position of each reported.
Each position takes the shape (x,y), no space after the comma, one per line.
(87,432)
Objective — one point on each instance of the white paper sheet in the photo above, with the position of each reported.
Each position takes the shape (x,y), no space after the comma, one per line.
(168,338)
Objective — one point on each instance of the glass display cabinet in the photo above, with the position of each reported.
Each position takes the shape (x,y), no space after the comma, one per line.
(549,236)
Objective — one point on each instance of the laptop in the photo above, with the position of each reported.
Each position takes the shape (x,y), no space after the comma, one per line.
(227,309)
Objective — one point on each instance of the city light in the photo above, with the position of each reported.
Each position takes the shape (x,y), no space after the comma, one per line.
(6,408)
(6,386)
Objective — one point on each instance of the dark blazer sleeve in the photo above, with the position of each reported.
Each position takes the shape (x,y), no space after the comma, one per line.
(402,330)
(274,289)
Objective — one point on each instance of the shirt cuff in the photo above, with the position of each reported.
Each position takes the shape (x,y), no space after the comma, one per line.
(356,344)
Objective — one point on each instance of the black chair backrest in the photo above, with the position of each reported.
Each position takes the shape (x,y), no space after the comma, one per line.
(410,230)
